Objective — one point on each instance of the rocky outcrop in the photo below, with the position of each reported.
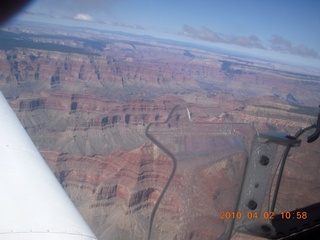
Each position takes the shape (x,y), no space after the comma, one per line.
(279,116)
(128,183)
(132,111)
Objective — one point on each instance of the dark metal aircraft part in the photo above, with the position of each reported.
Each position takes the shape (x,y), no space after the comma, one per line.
(257,183)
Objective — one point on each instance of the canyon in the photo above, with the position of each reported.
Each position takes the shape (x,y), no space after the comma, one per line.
(86,99)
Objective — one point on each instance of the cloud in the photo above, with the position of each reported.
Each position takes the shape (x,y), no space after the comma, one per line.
(211,36)
(127,25)
(205,34)
(280,44)
(83,17)
(249,42)
(277,43)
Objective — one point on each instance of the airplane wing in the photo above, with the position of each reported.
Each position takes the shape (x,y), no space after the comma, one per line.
(33,205)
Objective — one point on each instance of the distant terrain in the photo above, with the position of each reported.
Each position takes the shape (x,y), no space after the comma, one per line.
(86,98)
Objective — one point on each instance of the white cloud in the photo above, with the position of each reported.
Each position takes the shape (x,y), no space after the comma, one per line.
(83,17)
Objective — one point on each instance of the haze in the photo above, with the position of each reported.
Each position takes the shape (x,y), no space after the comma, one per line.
(285,30)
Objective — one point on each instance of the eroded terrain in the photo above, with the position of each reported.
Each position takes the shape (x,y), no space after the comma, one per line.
(86,100)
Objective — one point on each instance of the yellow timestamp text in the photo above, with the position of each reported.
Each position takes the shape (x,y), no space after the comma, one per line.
(265,215)
(248,215)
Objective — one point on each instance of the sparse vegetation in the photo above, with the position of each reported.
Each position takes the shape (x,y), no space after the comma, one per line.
(9,41)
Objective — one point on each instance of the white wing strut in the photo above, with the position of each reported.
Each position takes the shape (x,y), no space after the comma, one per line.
(33,205)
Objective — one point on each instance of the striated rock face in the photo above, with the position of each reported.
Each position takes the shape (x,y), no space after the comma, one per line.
(86,104)
(88,125)
(115,193)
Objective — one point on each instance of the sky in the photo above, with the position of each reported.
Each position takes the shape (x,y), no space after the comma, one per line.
(289,27)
